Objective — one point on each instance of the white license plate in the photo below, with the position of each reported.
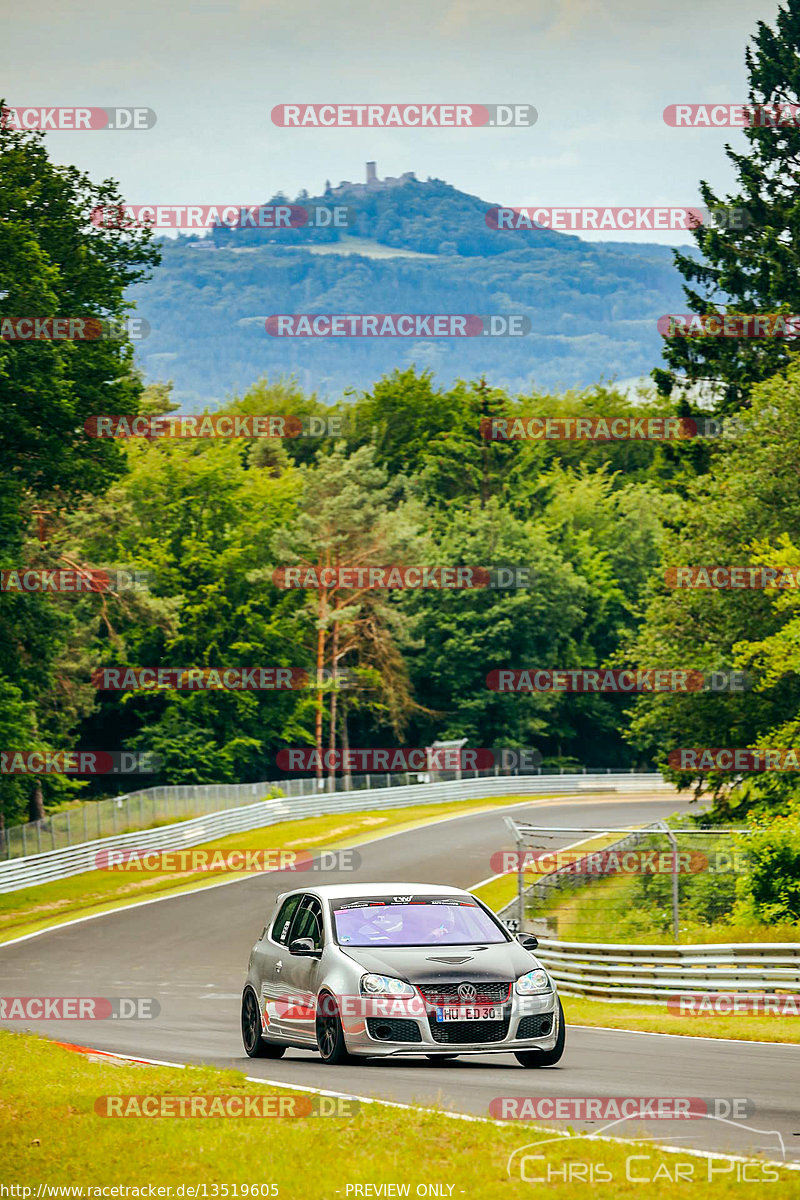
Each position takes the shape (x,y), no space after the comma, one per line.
(470,1012)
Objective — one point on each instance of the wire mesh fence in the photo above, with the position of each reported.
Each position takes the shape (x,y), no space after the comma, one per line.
(624,885)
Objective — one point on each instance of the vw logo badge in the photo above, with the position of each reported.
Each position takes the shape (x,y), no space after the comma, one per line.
(467,991)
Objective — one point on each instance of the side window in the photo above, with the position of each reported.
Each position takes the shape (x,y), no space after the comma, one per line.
(308,922)
(283,921)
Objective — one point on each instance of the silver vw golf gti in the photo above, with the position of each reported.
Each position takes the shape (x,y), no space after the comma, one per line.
(397,968)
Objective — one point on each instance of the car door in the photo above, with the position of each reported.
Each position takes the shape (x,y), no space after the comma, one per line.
(268,955)
(300,976)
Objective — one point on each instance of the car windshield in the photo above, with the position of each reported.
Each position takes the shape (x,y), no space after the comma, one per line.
(412,921)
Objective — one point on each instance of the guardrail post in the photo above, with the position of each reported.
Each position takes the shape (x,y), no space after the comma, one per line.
(520,884)
(673,842)
(24,843)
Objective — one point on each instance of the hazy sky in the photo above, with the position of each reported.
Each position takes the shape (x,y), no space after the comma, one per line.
(599,72)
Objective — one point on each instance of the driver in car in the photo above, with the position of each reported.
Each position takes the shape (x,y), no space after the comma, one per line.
(446,925)
(381,925)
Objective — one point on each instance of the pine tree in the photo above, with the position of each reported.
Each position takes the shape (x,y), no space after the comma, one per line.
(750,261)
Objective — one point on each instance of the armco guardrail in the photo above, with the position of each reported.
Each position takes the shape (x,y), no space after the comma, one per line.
(648,974)
(165,804)
(33,869)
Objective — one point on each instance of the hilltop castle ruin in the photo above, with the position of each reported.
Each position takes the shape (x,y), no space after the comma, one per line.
(372,184)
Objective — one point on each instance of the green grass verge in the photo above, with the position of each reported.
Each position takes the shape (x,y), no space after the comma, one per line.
(654,1018)
(497,893)
(51,1134)
(39,907)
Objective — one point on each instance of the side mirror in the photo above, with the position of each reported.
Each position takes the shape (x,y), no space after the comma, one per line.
(304,948)
(527,941)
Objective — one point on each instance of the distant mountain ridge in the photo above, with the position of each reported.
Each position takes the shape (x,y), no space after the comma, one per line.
(593,306)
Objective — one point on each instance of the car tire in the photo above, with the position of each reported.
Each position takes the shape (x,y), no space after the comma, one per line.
(545,1058)
(254,1044)
(330,1035)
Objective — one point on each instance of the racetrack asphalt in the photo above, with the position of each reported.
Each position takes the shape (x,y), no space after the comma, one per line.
(190,953)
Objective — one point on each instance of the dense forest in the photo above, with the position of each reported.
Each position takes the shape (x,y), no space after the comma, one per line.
(412,481)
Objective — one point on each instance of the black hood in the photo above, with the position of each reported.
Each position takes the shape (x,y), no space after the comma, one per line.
(446,964)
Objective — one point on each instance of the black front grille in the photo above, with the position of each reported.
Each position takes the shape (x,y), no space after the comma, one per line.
(538,1025)
(447,993)
(468,1031)
(398,1030)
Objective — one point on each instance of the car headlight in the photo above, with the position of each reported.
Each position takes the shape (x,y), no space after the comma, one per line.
(384,985)
(534,981)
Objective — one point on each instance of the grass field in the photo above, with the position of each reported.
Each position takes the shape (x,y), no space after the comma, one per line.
(654,1018)
(612,910)
(51,1134)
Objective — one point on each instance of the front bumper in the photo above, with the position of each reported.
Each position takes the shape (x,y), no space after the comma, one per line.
(529,1023)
